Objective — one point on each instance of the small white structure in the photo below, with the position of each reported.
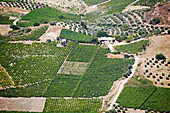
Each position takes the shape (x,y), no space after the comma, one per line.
(63,40)
(106,39)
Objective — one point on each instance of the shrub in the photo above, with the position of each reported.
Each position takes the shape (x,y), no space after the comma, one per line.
(160,77)
(28,30)
(154,21)
(129,67)
(153,76)
(14,27)
(167,78)
(160,57)
(157,66)
(126,56)
(102,34)
(163,74)
(36,24)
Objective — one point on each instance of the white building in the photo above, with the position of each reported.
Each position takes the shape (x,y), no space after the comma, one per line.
(106,39)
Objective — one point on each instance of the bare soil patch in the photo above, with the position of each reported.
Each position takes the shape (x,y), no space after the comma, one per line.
(4,29)
(109,55)
(14,9)
(52,33)
(73,68)
(22,104)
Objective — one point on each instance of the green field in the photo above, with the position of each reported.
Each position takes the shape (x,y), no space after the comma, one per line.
(62,87)
(82,53)
(108,8)
(134,96)
(35,90)
(73,105)
(32,63)
(100,75)
(148,2)
(46,15)
(5,81)
(5,20)
(93,2)
(132,48)
(71,35)
(160,100)
(33,36)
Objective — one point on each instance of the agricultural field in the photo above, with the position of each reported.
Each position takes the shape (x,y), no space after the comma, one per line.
(34,35)
(100,75)
(62,87)
(5,81)
(133,48)
(27,90)
(159,101)
(92,2)
(82,53)
(73,68)
(108,8)
(70,35)
(72,105)
(5,20)
(31,63)
(134,96)
(46,15)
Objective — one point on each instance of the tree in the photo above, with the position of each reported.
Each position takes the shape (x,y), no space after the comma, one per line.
(160,57)
(36,24)
(14,27)
(61,17)
(118,38)
(154,21)
(102,34)
(126,56)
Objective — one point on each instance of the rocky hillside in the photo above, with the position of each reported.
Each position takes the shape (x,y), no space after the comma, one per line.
(161,11)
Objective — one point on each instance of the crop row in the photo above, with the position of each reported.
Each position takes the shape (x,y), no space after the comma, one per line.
(73,105)
(100,75)
(26,68)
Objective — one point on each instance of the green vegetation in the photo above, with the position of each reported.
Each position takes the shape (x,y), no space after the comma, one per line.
(109,8)
(32,63)
(33,36)
(70,35)
(82,53)
(159,100)
(62,87)
(73,68)
(4,79)
(134,96)
(160,57)
(148,2)
(73,105)
(45,15)
(93,2)
(132,48)
(5,20)
(100,75)
(140,80)
(33,90)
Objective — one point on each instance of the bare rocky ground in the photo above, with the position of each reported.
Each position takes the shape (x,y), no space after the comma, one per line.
(52,33)
(35,104)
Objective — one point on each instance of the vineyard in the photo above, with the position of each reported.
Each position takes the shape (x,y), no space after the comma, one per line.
(70,35)
(73,105)
(32,63)
(82,53)
(27,90)
(132,48)
(4,79)
(100,75)
(134,96)
(47,14)
(159,100)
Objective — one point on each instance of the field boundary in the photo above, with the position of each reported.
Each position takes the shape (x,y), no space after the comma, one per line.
(148,98)
(91,61)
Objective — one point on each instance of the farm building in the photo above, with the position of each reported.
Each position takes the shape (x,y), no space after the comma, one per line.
(106,39)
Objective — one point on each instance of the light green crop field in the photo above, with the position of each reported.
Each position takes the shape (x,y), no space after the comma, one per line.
(132,48)
(46,15)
